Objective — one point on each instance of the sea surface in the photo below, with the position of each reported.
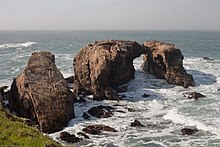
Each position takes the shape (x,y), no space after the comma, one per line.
(165,112)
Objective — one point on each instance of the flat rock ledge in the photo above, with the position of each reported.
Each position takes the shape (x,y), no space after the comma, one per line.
(40,93)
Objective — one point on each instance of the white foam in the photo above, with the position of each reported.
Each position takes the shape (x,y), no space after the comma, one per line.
(16,45)
(189,121)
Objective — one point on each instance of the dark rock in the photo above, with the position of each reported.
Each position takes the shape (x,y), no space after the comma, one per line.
(101,66)
(208,59)
(101,111)
(97,129)
(145,95)
(86,116)
(81,100)
(189,130)
(65,136)
(2,89)
(130,109)
(121,89)
(195,95)
(137,123)
(40,93)
(70,79)
(165,61)
(83,134)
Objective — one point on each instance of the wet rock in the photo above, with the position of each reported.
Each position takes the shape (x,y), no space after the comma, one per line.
(101,111)
(101,66)
(97,129)
(70,79)
(208,59)
(86,115)
(2,89)
(40,93)
(195,95)
(81,100)
(165,61)
(65,136)
(130,109)
(136,123)
(189,130)
(83,134)
(120,111)
(145,95)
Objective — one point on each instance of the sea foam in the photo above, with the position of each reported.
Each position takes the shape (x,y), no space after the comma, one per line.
(17,45)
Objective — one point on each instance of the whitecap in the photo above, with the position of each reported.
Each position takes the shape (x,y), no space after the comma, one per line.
(17,45)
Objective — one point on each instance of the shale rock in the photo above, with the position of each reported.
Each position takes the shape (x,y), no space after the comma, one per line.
(101,66)
(165,61)
(40,93)
(97,129)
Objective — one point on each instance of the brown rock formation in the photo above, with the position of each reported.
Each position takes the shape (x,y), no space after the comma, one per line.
(97,129)
(101,66)
(40,93)
(166,61)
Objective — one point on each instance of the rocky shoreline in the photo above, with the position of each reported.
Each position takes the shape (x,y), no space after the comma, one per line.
(42,95)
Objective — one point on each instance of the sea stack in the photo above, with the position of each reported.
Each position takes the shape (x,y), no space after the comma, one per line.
(100,67)
(165,61)
(40,93)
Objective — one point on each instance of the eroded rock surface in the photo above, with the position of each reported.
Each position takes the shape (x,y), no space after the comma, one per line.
(165,61)
(97,129)
(101,66)
(40,93)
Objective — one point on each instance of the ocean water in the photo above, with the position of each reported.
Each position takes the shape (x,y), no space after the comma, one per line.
(165,112)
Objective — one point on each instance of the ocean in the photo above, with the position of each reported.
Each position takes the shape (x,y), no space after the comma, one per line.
(165,112)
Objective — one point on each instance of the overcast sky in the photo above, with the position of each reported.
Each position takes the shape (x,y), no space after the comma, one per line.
(110,15)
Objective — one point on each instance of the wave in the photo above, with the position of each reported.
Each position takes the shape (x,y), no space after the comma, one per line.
(17,45)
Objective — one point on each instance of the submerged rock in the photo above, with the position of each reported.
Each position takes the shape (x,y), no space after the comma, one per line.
(40,93)
(101,66)
(165,61)
(189,130)
(136,123)
(97,129)
(65,136)
(195,95)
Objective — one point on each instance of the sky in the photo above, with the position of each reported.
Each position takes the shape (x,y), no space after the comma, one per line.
(110,15)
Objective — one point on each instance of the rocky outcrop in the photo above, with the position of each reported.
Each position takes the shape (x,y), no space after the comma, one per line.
(104,65)
(40,93)
(70,138)
(136,123)
(165,61)
(97,129)
(189,130)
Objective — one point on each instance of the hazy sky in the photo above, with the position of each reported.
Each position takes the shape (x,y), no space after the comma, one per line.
(110,14)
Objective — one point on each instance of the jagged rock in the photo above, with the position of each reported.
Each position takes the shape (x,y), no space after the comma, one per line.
(165,61)
(195,95)
(189,130)
(40,93)
(83,134)
(137,123)
(97,129)
(65,136)
(101,111)
(101,66)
